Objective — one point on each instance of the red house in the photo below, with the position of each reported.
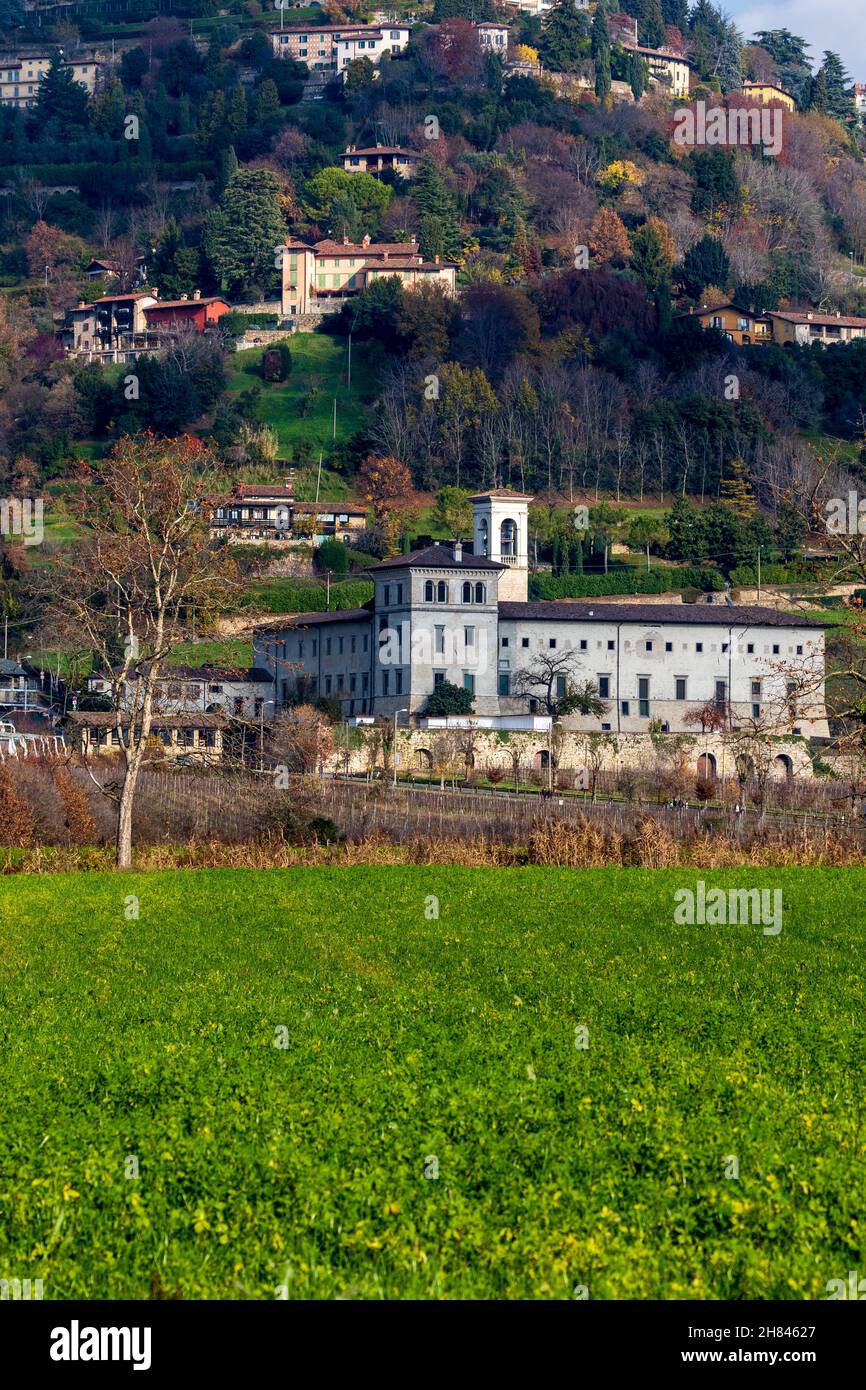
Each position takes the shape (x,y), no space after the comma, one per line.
(185,315)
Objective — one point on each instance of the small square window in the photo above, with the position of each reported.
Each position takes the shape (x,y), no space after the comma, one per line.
(669,646)
(583,644)
(799,651)
(625,707)
(699,646)
(505,641)
(551,642)
(649,646)
(750,647)
(775,649)
(610,646)
(724,646)
(524,641)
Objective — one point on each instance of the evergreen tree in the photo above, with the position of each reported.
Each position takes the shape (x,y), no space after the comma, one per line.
(60,98)
(651,28)
(736,492)
(676,12)
(600,48)
(565,37)
(440,225)
(242,235)
(730,69)
(820,98)
(705,263)
(227,167)
(174,267)
(839,99)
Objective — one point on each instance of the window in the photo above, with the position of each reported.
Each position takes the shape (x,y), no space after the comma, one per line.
(467,593)
(469,682)
(669,646)
(680,688)
(328,685)
(439,641)
(649,646)
(604,687)
(756,711)
(366,643)
(551,642)
(524,641)
(699,646)
(610,646)
(353,684)
(504,681)
(583,644)
(721,695)
(724,646)
(469,636)
(385,675)
(339,646)
(399,593)
(441,592)
(365,682)
(750,647)
(505,641)
(756,690)
(799,651)
(775,649)
(438,678)
(643,702)
(386,595)
(626,707)
(479,593)
(560,687)
(398,678)
(354,644)
(327,646)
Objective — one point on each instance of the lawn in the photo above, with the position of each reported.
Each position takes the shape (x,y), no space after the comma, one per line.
(305,1081)
(301,410)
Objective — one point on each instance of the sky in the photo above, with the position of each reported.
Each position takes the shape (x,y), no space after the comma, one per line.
(839,25)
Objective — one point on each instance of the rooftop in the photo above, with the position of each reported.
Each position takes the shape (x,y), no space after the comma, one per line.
(345,615)
(655,614)
(438,557)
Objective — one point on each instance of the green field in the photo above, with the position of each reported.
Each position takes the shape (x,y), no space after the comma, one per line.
(301,410)
(444,1047)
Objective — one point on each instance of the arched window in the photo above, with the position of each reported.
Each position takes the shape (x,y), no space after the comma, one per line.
(467,592)
(479,593)
(428,591)
(441,592)
(484,536)
(508,539)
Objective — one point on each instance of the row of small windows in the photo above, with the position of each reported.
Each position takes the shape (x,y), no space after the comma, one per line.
(649,645)
(437,592)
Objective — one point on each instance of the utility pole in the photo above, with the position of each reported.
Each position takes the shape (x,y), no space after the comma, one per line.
(349,373)
(6,637)
(334,434)
(759,574)
(319,476)
(396,713)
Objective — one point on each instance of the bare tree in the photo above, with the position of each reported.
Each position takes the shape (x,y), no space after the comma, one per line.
(128,590)
(549,678)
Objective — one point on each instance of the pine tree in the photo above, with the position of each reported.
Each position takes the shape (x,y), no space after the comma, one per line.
(736,492)
(652,28)
(839,100)
(600,47)
(565,37)
(174,268)
(820,98)
(242,234)
(60,98)
(440,226)
(608,238)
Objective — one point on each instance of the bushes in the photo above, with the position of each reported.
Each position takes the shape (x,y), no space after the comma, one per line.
(625,581)
(289,597)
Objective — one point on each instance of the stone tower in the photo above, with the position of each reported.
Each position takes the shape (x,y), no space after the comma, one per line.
(501,532)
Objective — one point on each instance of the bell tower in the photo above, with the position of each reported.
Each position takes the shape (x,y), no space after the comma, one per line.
(501,532)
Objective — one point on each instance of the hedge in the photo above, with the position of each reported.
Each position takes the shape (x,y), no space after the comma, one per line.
(545,586)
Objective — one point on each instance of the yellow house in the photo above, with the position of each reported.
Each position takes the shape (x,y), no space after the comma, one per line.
(768,92)
(20,77)
(743,326)
(329,269)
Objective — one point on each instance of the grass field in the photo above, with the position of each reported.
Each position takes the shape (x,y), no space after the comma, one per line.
(301,410)
(428,1126)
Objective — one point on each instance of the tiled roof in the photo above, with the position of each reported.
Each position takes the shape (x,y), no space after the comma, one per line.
(438,557)
(99,719)
(807,316)
(655,614)
(346,615)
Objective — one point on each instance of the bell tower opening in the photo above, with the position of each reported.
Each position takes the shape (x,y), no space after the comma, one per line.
(501,533)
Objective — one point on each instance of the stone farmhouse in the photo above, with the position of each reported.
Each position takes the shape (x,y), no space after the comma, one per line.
(460,612)
(268,514)
(375,159)
(780,326)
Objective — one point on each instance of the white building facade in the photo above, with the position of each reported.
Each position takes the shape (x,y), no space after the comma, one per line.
(460,613)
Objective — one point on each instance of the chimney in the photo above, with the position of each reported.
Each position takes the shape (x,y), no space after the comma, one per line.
(196,294)
(458,551)
(154,291)
(184,296)
(436,259)
(365,241)
(345,241)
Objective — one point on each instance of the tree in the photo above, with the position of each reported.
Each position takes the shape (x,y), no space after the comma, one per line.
(360,74)
(549,679)
(564,42)
(333,187)
(600,47)
(608,238)
(644,531)
(174,267)
(440,225)
(242,236)
(386,486)
(651,24)
(142,572)
(705,263)
(60,98)
(447,698)
(453,512)
(835,88)
(331,555)
(712,717)
(652,254)
(736,492)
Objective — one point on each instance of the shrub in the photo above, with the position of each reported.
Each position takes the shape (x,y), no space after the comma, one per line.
(16,818)
(331,555)
(448,698)
(624,581)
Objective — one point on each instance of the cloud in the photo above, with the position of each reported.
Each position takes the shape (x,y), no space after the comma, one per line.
(834,24)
